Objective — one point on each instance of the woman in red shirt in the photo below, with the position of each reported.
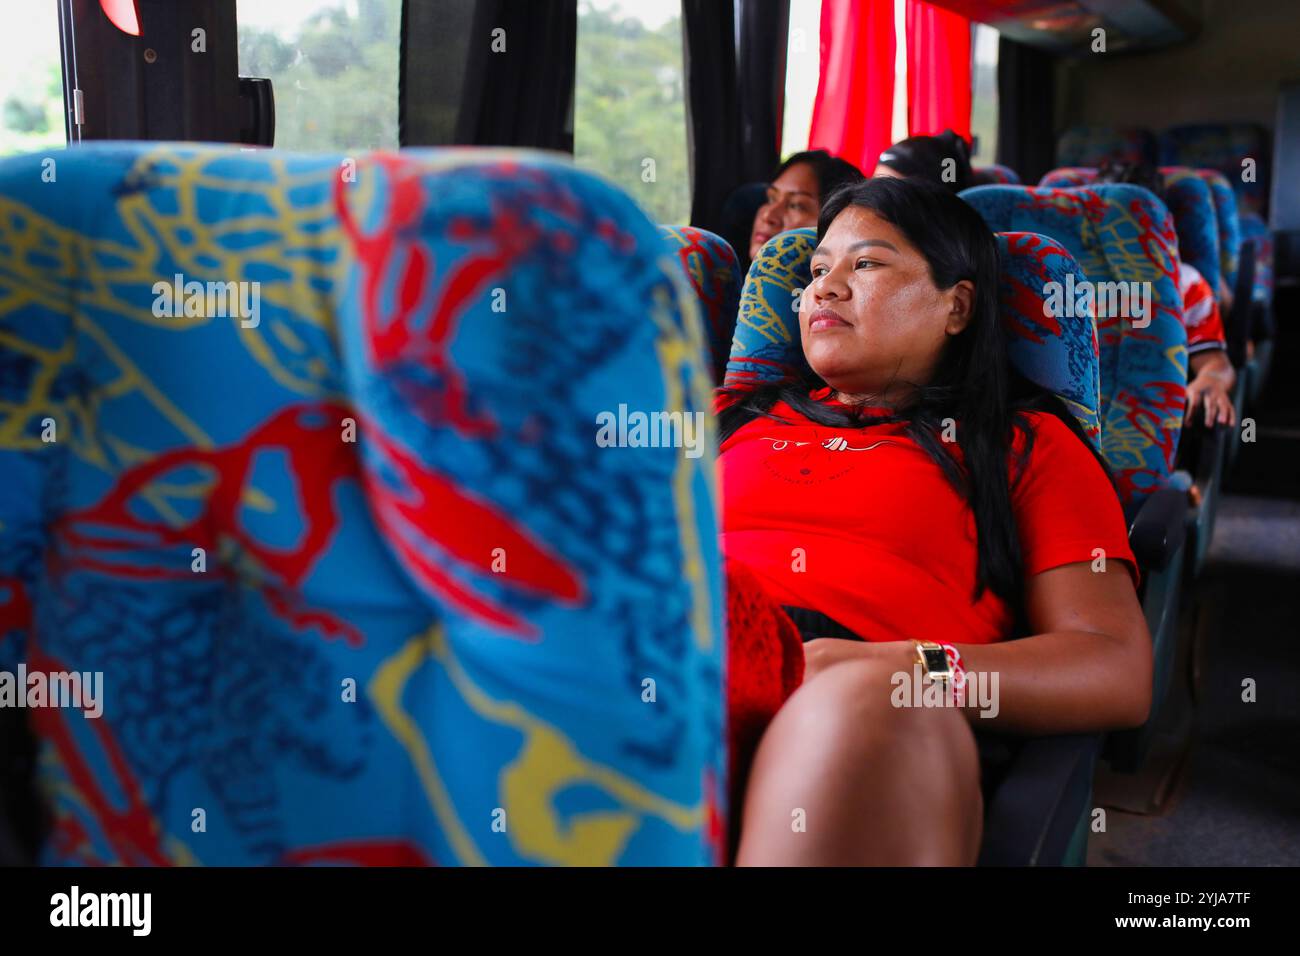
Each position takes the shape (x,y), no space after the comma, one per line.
(906,495)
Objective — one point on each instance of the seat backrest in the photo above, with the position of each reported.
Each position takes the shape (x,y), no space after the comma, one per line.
(1092,145)
(1124,241)
(1238,150)
(710,266)
(994,173)
(358,571)
(1057,353)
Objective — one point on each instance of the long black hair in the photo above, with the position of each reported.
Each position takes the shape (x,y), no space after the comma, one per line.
(971,386)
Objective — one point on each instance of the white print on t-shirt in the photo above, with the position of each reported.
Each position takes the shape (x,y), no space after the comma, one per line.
(836,443)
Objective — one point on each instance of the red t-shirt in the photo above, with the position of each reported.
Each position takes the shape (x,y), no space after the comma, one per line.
(862,525)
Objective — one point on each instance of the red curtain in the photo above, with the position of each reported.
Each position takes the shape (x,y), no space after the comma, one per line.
(123,14)
(938,71)
(855,92)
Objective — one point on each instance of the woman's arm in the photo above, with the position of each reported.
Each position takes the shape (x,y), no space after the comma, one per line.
(1087,666)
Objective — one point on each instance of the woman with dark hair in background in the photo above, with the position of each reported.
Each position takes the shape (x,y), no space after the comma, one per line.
(942,159)
(901,507)
(796,193)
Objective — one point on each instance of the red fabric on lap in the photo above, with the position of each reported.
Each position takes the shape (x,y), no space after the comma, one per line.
(764,666)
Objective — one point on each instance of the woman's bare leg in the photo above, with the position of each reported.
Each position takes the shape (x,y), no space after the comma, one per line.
(872,784)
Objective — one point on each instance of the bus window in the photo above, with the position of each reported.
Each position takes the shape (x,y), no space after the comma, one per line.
(334,67)
(901,119)
(629,102)
(31,82)
(803,64)
(984,93)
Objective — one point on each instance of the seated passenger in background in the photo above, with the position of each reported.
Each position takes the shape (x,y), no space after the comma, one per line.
(1210,372)
(901,496)
(942,159)
(1210,375)
(796,193)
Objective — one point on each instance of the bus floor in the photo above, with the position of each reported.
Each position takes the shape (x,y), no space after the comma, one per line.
(1237,798)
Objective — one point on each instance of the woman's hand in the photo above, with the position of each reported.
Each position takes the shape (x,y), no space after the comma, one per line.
(1210,389)
(1210,395)
(824,652)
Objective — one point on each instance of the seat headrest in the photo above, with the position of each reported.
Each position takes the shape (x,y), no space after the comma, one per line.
(1067,177)
(766,345)
(1057,354)
(1226,216)
(1204,218)
(417,291)
(710,266)
(463,270)
(1092,145)
(1238,150)
(1192,205)
(1124,240)
(993,174)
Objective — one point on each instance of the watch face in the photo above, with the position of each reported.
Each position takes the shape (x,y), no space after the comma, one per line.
(936,661)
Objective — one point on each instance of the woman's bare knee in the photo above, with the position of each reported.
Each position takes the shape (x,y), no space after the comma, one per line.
(843,776)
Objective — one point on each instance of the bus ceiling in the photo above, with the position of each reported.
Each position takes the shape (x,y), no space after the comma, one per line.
(1066,27)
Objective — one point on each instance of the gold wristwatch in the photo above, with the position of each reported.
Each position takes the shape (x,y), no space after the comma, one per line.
(934,661)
